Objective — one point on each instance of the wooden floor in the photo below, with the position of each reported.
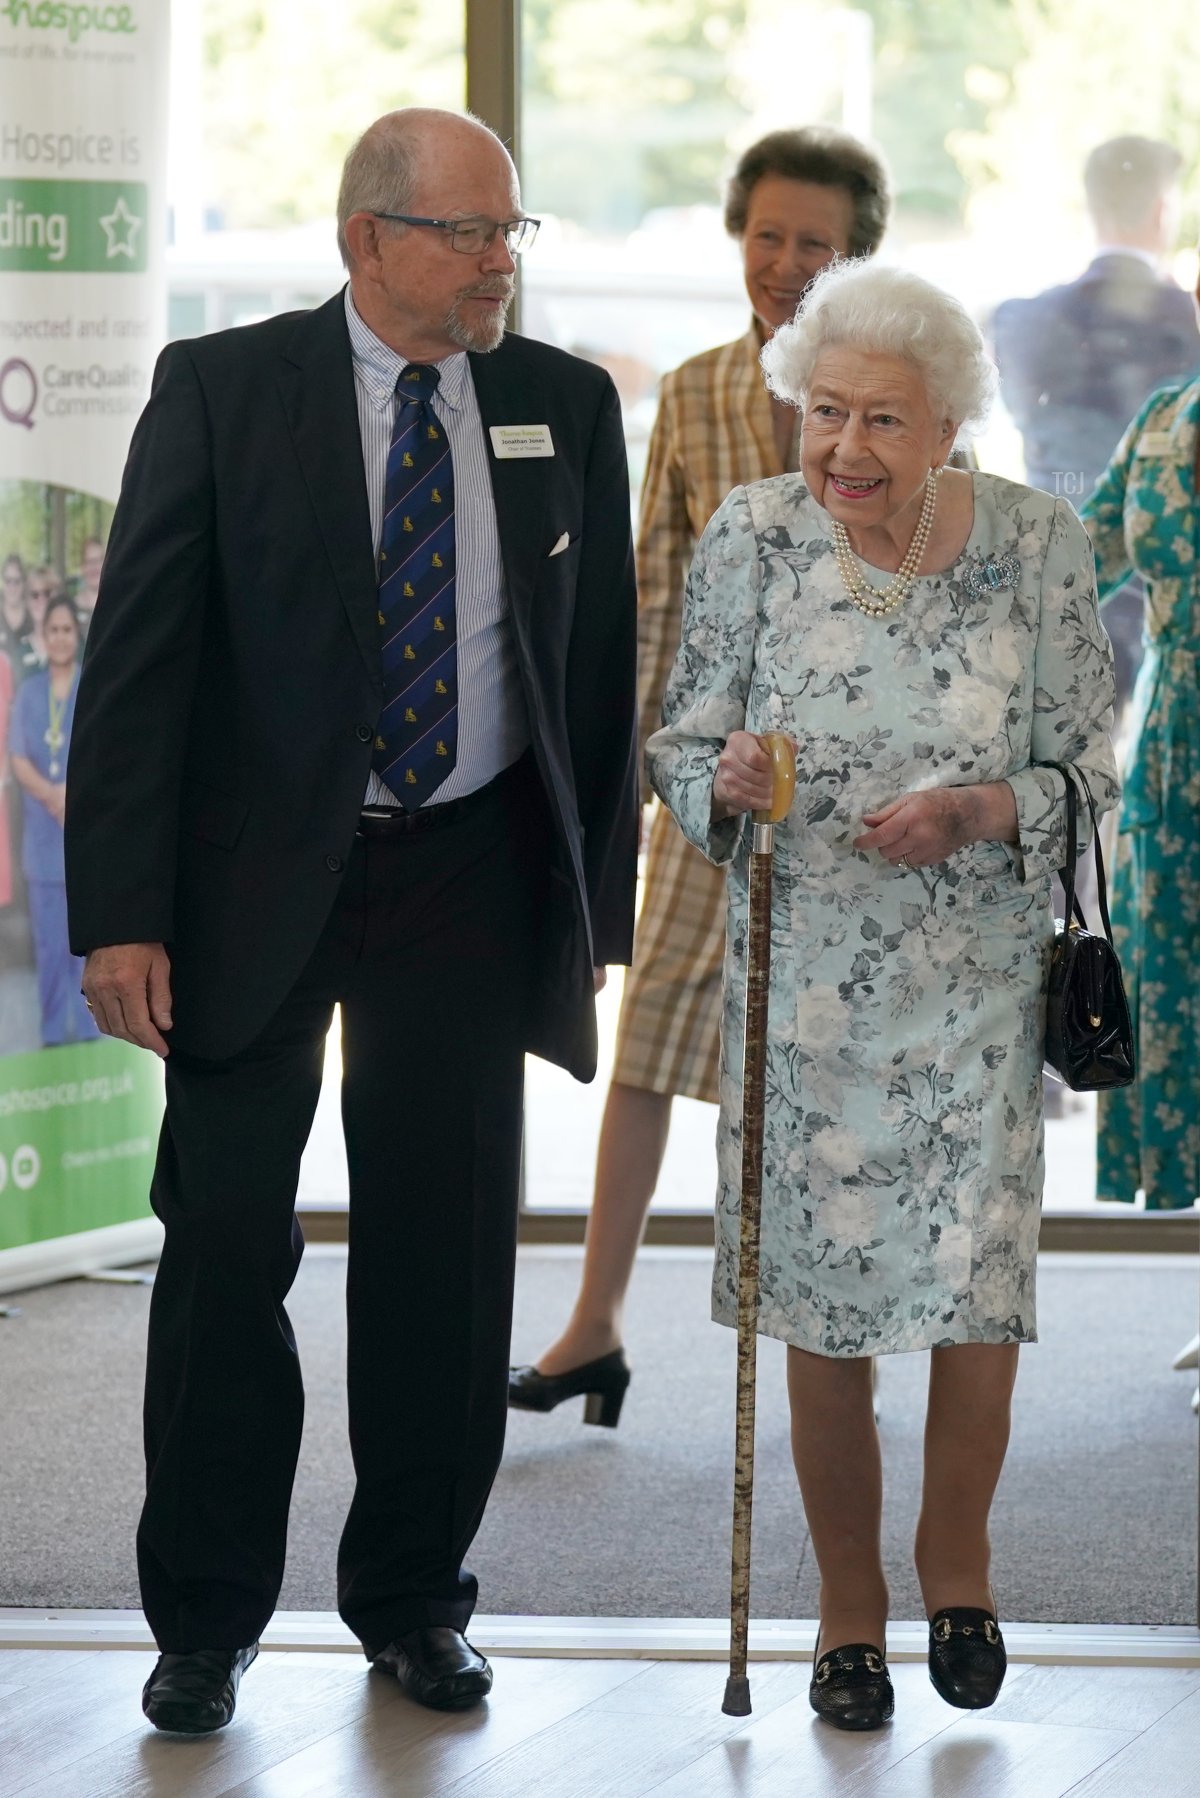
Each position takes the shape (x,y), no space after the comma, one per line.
(313,1725)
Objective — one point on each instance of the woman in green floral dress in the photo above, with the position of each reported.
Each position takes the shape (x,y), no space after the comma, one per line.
(1144,516)
(928,636)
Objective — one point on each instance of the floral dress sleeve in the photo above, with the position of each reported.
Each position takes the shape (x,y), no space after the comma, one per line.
(706,694)
(1103,512)
(1072,702)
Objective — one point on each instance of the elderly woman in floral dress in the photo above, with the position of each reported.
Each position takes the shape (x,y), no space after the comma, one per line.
(796,199)
(929,637)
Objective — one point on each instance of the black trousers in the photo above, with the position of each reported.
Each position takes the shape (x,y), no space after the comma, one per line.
(429,952)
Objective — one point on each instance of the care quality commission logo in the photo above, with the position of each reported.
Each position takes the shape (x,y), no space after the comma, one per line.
(26,1166)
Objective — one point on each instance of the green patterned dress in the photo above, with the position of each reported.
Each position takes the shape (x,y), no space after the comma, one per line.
(1144,516)
(902,1158)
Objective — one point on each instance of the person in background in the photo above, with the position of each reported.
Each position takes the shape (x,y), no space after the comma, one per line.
(87,582)
(928,637)
(17,659)
(1144,515)
(1078,361)
(16,626)
(796,200)
(43,585)
(40,738)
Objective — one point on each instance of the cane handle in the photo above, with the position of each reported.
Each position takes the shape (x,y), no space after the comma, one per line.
(782,752)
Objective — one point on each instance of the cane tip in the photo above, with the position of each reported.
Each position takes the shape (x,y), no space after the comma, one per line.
(737,1696)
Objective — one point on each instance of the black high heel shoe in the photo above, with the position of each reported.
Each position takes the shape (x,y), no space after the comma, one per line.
(967,1659)
(603,1384)
(851,1686)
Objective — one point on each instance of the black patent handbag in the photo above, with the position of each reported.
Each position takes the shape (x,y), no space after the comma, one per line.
(1089,1033)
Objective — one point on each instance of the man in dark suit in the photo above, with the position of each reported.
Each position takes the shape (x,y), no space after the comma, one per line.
(1077,361)
(356,727)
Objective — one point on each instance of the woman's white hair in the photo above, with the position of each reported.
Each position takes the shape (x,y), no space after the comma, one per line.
(861,305)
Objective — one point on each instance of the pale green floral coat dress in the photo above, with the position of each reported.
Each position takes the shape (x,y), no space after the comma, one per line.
(902,1167)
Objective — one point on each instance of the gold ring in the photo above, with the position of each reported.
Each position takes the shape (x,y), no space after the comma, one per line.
(904,863)
(87,1002)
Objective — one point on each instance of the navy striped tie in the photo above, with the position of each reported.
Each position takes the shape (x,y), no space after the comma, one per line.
(417,743)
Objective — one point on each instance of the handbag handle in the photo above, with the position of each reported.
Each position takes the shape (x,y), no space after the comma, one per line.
(1067,872)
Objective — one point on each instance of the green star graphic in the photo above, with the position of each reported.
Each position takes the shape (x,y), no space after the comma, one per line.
(121,227)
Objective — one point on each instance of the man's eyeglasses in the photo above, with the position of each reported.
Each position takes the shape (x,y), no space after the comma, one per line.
(471,236)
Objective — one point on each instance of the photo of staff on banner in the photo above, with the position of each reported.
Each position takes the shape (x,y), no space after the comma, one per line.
(52,544)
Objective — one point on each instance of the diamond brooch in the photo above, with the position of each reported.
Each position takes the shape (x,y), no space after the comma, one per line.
(990,574)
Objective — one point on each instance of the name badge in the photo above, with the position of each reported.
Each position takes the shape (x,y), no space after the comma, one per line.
(520,440)
(1158,443)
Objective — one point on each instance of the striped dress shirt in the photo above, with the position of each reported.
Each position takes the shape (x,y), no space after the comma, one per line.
(493,727)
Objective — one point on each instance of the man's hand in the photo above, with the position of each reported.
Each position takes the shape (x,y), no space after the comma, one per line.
(128,990)
(600,979)
(55,801)
(744,781)
(925,828)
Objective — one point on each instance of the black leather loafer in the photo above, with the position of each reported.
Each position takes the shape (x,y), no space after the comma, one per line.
(193,1694)
(437,1667)
(967,1661)
(851,1686)
(602,1384)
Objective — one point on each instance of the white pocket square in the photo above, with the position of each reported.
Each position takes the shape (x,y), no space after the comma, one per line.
(562,543)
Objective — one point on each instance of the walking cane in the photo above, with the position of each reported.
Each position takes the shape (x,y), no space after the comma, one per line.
(754,1070)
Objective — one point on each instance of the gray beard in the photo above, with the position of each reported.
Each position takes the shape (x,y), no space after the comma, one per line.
(487,335)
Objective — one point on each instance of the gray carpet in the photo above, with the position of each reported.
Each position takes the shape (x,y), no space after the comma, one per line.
(1095,1521)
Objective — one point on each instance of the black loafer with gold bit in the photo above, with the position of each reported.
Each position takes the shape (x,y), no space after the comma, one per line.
(851,1686)
(967,1661)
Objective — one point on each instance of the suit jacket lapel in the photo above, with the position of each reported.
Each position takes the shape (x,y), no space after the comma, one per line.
(316,384)
(511,393)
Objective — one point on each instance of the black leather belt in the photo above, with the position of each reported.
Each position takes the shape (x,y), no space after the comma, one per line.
(384,821)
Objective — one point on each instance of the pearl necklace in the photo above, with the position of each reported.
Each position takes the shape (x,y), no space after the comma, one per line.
(880,602)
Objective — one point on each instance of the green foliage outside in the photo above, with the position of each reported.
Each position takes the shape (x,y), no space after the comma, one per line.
(627,105)
(289,84)
(1089,70)
(984,108)
(665,94)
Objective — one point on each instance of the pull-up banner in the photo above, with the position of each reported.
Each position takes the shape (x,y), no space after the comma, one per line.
(83,108)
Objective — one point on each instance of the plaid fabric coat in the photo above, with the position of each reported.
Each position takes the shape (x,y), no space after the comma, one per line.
(714,431)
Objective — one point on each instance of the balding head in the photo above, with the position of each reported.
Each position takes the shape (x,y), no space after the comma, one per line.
(401,152)
(424,288)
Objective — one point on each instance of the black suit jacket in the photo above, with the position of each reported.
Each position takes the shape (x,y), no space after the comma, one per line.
(1077,361)
(231,686)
